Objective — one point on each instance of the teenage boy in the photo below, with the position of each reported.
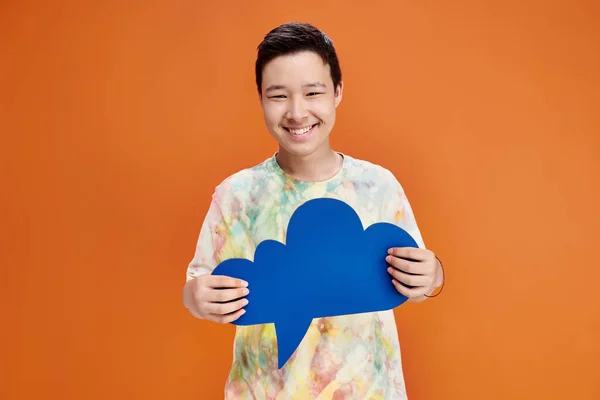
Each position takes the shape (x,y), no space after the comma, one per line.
(300,86)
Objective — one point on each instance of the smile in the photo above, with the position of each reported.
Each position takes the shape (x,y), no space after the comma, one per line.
(300,131)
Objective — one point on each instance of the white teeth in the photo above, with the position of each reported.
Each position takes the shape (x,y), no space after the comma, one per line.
(300,131)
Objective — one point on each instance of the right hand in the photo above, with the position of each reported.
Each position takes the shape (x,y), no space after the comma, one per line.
(210,297)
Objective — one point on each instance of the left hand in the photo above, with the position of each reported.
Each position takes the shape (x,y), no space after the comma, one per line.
(414,267)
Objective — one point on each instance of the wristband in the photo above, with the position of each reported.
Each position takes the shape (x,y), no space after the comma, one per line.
(443,280)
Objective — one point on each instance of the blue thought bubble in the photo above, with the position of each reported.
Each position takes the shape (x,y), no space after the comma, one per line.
(330,266)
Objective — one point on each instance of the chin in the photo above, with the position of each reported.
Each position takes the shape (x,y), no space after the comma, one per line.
(297,151)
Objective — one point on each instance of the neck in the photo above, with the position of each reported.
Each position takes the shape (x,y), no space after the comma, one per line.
(319,166)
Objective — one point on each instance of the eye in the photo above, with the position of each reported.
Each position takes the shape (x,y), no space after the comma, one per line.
(312,94)
(277,96)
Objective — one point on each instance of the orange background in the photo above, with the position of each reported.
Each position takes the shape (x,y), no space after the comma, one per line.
(118,121)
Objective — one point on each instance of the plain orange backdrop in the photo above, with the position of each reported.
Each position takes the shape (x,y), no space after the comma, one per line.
(119,120)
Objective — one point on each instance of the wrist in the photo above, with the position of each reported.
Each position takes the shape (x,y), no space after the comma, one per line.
(439,275)
(187,296)
(439,279)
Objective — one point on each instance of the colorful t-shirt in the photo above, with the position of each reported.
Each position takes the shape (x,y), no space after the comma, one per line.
(344,357)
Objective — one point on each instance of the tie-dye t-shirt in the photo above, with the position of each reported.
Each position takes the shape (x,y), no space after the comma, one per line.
(345,357)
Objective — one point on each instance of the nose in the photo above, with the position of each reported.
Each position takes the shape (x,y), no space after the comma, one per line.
(297,110)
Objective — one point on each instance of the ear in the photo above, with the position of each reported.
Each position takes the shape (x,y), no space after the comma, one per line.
(338,94)
(260,98)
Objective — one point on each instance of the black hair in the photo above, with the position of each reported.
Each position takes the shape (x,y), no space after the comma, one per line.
(295,37)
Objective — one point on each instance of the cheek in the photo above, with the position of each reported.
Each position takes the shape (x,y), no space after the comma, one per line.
(272,114)
(324,111)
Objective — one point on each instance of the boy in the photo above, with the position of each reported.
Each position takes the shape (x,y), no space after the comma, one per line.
(299,84)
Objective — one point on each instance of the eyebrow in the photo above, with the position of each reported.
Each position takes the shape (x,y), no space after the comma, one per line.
(279,87)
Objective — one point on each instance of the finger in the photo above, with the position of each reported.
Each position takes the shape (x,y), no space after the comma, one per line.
(225,295)
(222,281)
(226,319)
(410,253)
(226,308)
(409,279)
(410,267)
(408,292)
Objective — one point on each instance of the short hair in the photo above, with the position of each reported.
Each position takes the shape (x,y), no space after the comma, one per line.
(292,38)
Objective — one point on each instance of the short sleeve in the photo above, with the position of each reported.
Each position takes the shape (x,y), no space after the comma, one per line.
(206,256)
(397,210)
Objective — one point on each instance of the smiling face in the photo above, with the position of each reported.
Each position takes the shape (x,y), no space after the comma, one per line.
(299,102)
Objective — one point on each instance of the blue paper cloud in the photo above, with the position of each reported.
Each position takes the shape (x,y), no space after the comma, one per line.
(329,266)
